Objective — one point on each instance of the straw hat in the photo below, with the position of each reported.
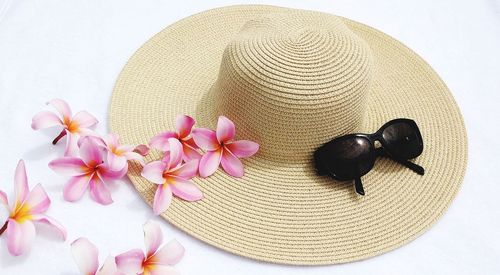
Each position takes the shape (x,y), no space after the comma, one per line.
(292,80)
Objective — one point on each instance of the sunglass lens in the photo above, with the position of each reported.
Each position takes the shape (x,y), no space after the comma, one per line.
(349,157)
(403,140)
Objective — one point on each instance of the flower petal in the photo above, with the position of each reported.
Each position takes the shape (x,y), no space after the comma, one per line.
(53,223)
(91,153)
(166,159)
(109,268)
(84,132)
(243,148)
(111,140)
(153,237)
(135,156)
(71,144)
(76,186)
(130,262)
(175,153)
(187,170)
(190,141)
(94,137)
(189,152)
(85,255)
(21,188)
(116,163)
(69,166)
(183,125)
(19,236)
(206,139)
(37,200)
(210,162)
(84,120)
(160,141)
(3,199)
(161,270)
(141,149)
(153,171)
(184,189)
(231,164)
(107,173)
(169,254)
(162,200)
(99,192)
(62,107)
(45,119)
(225,129)
(125,148)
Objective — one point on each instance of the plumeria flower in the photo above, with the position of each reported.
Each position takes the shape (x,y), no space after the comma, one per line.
(221,149)
(73,126)
(172,177)
(90,170)
(86,257)
(118,154)
(183,125)
(28,207)
(156,260)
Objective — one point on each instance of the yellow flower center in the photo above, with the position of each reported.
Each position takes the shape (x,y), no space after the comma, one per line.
(21,213)
(72,126)
(167,179)
(116,151)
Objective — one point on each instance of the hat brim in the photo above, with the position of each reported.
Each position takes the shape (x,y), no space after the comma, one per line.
(284,213)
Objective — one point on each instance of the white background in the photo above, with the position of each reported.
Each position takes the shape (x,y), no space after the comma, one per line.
(75,49)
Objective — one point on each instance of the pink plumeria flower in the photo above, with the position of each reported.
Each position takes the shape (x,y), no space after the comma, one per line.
(172,177)
(221,149)
(86,257)
(73,126)
(117,154)
(183,125)
(90,170)
(156,260)
(28,207)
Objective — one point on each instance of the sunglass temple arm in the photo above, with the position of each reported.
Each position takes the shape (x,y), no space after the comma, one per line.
(358,185)
(414,167)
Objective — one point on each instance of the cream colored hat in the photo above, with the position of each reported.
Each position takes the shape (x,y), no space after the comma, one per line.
(292,80)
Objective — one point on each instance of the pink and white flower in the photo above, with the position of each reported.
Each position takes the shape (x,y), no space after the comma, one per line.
(172,177)
(90,170)
(72,126)
(29,206)
(221,149)
(86,257)
(118,154)
(157,260)
(183,125)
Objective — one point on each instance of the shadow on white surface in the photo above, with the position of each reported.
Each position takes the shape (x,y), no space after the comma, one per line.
(7,260)
(47,232)
(42,151)
(45,148)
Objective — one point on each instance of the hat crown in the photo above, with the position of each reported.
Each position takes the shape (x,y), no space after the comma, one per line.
(293,83)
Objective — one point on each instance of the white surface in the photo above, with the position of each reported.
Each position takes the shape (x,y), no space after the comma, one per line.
(75,49)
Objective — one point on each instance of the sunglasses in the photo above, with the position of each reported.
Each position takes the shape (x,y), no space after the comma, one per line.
(349,157)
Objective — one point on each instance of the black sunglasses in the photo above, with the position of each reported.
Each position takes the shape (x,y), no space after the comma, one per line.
(351,156)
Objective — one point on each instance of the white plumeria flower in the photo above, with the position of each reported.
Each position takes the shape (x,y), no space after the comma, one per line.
(73,127)
(86,257)
(157,260)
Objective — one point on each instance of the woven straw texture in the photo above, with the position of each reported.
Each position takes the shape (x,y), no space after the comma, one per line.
(291,80)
